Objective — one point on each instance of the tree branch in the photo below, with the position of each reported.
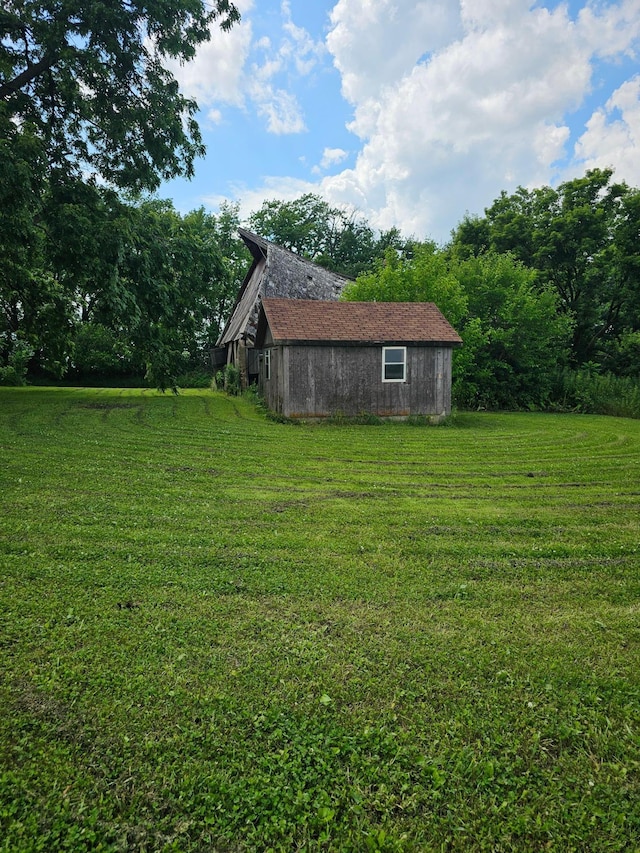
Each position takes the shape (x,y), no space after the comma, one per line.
(13,86)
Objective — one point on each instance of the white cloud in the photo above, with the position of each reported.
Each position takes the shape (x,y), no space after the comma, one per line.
(374,44)
(214,116)
(300,47)
(330,157)
(282,111)
(333,155)
(223,73)
(454,104)
(610,141)
(250,199)
(452,101)
(611,29)
(296,56)
(215,75)
(481,14)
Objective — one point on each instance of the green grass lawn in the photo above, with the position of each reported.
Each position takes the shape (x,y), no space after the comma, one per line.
(221,633)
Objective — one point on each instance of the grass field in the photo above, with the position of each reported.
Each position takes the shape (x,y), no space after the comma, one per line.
(221,633)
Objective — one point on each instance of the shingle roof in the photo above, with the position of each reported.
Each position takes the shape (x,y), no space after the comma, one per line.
(298,320)
(275,272)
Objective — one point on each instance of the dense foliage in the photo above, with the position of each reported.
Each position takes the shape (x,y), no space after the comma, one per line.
(90,81)
(89,110)
(583,241)
(327,235)
(111,289)
(544,289)
(514,337)
(545,292)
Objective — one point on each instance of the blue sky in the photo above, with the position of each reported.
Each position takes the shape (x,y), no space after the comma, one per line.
(413,112)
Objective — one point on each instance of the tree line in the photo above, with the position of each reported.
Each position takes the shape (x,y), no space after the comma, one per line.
(94,287)
(543,288)
(99,278)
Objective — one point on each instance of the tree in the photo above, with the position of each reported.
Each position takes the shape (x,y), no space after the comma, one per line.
(139,285)
(336,239)
(89,108)
(222,230)
(21,188)
(172,271)
(514,340)
(100,352)
(91,80)
(303,226)
(583,239)
(621,350)
(425,277)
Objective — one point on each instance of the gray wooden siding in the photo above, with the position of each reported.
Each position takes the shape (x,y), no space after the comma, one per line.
(245,309)
(273,388)
(320,381)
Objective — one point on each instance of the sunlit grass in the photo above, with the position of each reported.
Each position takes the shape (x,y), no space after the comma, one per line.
(224,633)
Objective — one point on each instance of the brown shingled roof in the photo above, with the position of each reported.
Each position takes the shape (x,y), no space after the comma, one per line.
(298,320)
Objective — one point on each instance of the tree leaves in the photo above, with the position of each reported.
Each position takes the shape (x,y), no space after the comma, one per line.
(329,236)
(582,239)
(92,78)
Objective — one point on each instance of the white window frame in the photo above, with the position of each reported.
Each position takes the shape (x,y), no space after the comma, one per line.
(403,363)
(267,364)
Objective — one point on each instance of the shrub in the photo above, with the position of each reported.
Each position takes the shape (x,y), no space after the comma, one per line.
(100,352)
(590,392)
(15,371)
(228,380)
(194,378)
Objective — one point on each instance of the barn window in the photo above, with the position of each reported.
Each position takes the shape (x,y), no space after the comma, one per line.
(394,364)
(267,364)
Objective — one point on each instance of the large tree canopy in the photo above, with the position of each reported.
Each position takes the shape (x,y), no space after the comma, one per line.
(89,108)
(90,80)
(582,239)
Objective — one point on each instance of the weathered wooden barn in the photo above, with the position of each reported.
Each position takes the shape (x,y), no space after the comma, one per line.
(274,272)
(321,359)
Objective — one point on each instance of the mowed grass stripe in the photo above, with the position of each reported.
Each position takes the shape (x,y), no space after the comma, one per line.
(225,633)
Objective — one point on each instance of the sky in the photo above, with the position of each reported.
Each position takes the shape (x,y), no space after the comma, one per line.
(412,113)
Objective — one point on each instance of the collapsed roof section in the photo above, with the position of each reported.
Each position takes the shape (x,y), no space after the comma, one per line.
(275,272)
